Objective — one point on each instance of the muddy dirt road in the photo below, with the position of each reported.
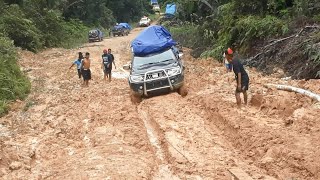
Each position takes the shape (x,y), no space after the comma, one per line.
(65,131)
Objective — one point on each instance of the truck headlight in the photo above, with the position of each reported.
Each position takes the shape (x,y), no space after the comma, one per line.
(174,71)
(136,78)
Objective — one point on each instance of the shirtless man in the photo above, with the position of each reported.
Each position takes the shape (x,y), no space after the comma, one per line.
(86,73)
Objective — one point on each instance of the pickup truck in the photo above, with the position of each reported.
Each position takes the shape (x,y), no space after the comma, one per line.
(156,65)
(155,73)
(95,35)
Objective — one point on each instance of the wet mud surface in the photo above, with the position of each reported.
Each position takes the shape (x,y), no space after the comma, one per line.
(66,131)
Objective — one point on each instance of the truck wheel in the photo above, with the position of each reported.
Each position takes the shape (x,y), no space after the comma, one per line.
(183,91)
(135,98)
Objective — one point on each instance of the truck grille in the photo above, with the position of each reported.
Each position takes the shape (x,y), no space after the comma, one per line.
(157,84)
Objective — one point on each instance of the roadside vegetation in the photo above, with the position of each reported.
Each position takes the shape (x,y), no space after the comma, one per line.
(222,24)
(248,27)
(38,24)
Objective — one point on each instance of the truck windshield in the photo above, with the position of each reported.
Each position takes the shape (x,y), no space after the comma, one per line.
(153,59)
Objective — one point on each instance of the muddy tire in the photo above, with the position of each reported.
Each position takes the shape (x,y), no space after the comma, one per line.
(183,91)
(135,98)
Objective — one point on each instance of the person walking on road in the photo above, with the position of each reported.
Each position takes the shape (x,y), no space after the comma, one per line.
(241,76)
(78,63)
(86,73)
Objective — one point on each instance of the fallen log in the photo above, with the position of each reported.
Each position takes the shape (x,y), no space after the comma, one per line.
(295,89)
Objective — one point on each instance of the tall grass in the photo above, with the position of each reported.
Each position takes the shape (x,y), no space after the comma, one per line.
(13,83)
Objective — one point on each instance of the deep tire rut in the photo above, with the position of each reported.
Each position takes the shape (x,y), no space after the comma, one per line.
(163,170)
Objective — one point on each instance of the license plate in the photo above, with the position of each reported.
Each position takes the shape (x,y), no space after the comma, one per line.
(155,75)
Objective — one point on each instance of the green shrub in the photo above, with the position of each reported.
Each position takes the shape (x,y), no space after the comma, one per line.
(252,28)
(13,84)
(245,32)
(187,35)
(51,26)
(75,33)
(21,30)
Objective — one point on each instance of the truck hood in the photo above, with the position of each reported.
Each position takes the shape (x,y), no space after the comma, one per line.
(141,71)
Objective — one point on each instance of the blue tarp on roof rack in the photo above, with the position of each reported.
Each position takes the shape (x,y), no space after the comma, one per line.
(152,40)
(125,25)
(171,8)
(154,1)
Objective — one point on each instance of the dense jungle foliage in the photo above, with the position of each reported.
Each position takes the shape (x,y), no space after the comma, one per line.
(214,25)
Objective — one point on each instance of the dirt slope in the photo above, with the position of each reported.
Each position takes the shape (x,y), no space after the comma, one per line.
(64,131)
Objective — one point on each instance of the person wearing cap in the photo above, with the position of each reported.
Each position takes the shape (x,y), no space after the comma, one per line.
(226,62)
(241,76)
(106,62)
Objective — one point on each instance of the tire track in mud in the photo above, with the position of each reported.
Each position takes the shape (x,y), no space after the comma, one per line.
(81,133)
(192,149)
(259,133)
(153,131)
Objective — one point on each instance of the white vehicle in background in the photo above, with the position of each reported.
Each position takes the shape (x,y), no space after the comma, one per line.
(156,8)
(144,22)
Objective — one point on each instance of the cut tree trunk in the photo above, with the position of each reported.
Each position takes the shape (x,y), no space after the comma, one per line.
(295,89)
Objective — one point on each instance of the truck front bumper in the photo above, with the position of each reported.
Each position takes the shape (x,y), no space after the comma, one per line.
(152,85)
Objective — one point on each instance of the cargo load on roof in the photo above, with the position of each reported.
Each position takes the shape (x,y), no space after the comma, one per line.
(152,40)
(125,25)
(153,2)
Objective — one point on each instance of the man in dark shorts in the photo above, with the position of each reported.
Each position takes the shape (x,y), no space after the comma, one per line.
(107,61)
(241,76)
(86,73)
(106,64)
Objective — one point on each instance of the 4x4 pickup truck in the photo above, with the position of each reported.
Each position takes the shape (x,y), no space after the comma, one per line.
(119,30)
(158,71)
(95,35)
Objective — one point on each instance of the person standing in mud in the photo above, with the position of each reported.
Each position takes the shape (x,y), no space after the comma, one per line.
(106,63)
(78,63)
(86,73)
(241,76)
(110,64)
